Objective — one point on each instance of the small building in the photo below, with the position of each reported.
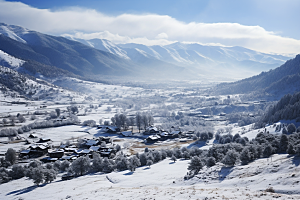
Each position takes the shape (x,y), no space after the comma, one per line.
(94,148)
(107,152)
(56,153)
(126,133)
(32,136)
(42,140)
(153,138)
(175,134)
(25,153)
(151,130)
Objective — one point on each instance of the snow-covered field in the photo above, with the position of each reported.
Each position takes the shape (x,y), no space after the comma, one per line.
(164,180)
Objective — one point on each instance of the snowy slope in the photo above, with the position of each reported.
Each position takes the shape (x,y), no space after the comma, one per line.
(10,61)
(104,45)
(164,180)
(13,32)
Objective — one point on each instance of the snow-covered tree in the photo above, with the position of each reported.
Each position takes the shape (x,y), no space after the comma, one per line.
(81,165)
(245,156)
(291,128)
(134,162)
(268,150)
(11,156)
(196,164)
(230,158)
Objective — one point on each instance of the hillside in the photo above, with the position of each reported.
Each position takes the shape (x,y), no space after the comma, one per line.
(277,82)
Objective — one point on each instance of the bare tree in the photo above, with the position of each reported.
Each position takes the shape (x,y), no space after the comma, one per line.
(138,119)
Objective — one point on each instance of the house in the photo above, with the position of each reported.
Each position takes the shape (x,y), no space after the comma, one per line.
(153,138)
(151,130)
(126,133)
(164,135)
(25,153)
(32,136)
(56,153)
(107,152)
(90,143)
(39,149)
(94,148)
(109,129)
(175,134)
(42,140)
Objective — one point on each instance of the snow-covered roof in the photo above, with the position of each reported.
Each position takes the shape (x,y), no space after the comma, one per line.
(164,133)
(94,148)
(84,151)
(91,142)
(25,151)
(154,137)
(126,133)
(174,132)
(151,128)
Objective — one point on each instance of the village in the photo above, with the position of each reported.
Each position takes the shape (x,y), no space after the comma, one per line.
(46,151)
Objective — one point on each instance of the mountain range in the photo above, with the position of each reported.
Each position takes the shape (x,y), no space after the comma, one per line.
(234,62)
(102,58)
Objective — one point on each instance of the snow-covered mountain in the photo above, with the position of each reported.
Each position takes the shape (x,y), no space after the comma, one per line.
(201,58)
(95,59)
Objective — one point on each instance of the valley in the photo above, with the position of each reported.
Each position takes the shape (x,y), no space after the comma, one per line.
(90,118)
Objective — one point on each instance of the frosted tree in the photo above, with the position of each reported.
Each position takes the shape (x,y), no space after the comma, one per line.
(196,164)
(122,163)
(156,155)
(139,122)
(97,162)
(38,175)
(283,145)
(134,162)
(173,158)
(149,163)
(17,172)
(290,149)
(267,152)
(81,165)
(49,175)
(211,161)
(291,128)
(143,159)
(107,165)
(245,156)
(11,156)
(230,158)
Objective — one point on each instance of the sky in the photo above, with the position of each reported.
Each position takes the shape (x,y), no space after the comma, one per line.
(270,26)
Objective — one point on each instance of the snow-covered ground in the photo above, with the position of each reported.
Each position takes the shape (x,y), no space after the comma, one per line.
(164,180)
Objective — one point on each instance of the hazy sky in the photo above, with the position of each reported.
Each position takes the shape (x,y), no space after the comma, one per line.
(265,25)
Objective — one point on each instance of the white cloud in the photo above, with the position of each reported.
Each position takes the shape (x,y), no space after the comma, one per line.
(146,29)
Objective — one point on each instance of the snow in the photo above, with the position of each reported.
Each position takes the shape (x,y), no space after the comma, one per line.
(10,61)
(12,33)
(164,180)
